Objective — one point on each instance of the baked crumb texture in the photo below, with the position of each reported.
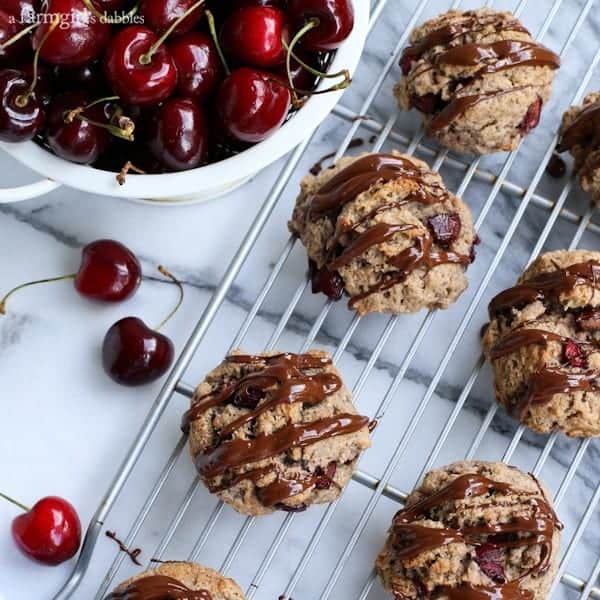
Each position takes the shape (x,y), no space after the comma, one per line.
(478,78)
(543,344)
(472,530)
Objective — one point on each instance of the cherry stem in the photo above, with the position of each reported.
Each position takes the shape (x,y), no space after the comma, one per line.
(342,85)
(146,59)
(213,32)
(17,37)
(15,502)
(166,273)
(112,20)
(127,167)
(22,100)
(29,284)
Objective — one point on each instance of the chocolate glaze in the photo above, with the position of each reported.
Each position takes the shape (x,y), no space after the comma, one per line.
(449,33)
(284,380)
(585,128)
(158,587)
(359,176)
(546,286)
(411,539)
(493,57)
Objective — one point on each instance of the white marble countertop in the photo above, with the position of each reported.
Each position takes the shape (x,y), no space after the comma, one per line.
(66,427)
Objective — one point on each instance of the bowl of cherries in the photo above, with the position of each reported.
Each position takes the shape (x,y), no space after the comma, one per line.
(169,100)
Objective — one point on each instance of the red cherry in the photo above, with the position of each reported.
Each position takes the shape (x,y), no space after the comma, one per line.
(126,70)
(78,141)
(109,6)
(133,354)
(334,20)
(159,15)
(84,77)
(109,272)
(80,38)
(23,10)
(274,3)
(10,27)
(302,79)
(252,104)
(253,35)
(179,135)
(49,533)
(198,65)
(18,123)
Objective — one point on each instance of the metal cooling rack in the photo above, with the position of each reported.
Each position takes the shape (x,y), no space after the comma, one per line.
(376,487)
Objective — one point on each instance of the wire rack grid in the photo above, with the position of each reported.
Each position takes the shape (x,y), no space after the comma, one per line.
(280,549)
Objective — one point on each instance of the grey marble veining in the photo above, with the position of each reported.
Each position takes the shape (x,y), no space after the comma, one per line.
(65,427)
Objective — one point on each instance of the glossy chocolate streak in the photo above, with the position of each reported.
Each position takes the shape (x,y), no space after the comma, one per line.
(460,105)
(498,56)
(417,255)
(411,539)
(547,382)
(158,587)
(447,34)
(546,286)
(360,175)
(519,338)
(238,452)
(585,128)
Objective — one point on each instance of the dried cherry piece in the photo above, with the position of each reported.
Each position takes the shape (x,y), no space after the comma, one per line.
(574,355)
(427,104)
(445,228)
(292,509)
(406,63)
(490,562)
(588,320)
(325,477)
(327,282)
(248,397)
(532,116)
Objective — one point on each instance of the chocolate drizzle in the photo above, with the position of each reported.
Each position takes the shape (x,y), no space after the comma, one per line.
(547,286)
(158,587)
(583,130)
(411,538)
(280,379)
(358,177)
(490,57)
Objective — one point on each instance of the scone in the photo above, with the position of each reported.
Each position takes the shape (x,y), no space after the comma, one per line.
(580,135)
(478,78)
(275,431)
(472,530)
(178,581)
(384,229)
(543,344)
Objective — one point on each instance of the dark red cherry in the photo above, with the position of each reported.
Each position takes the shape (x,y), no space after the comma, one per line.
(109,7)
(84,77)
(198,65)
(44,83)
(253,36)
(23,10)
(133,354)
(22,116)
(179,135)
(159,15)
(127,72)
(80,38)
(252,104)
(9,27)
(49,533)
(335,22)
(302,79)
(109,272)
(274,3)
(78,141)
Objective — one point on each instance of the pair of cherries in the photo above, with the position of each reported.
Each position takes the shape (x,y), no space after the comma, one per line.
(132,353)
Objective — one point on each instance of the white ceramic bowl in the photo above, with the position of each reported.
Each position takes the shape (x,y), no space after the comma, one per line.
(206,182)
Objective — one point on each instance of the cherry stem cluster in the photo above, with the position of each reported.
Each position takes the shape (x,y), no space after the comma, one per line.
(124,130)
(146,59)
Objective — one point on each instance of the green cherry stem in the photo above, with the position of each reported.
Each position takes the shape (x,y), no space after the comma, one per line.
(166,273)
(15,502)
(22,100)
(213,32)
(29,284)
(146,59)
(18,36)
(310,25)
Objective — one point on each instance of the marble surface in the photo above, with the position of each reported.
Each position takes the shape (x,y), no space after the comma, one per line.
(65,427)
